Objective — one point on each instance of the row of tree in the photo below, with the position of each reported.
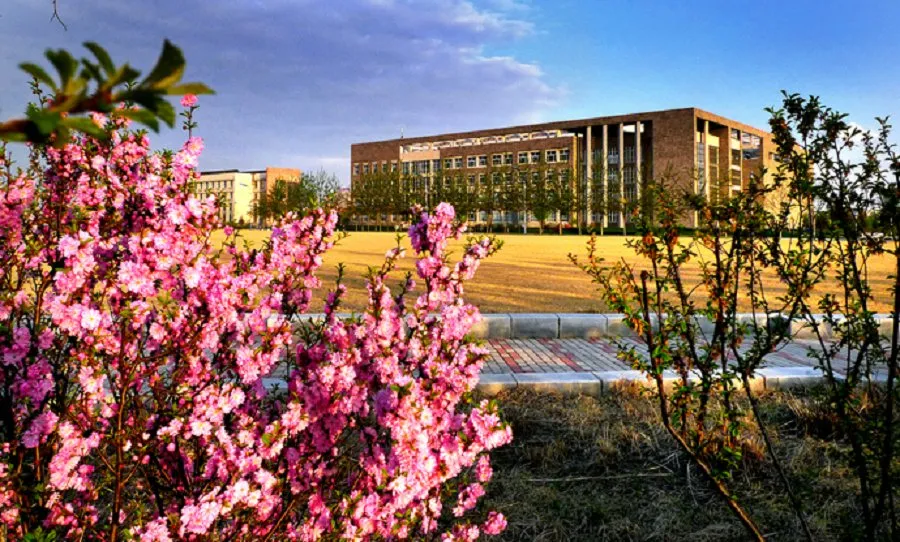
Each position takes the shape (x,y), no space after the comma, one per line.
(541,191)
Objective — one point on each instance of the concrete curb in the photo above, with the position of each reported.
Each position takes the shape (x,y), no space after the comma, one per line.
(600,382)
(550,325)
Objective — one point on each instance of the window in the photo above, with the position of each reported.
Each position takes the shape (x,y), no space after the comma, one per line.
(613,156)
(448,163)
(482,160)
(393,165)
(713,165)
(508,159)
(436,165)
(384,167)
(457,162)
(564,155)
(551,157)
(735,157)
(470,161)
(356,169)
(471,180)
(366,169)
(406,168)
(481,178)
(523,157)
(535,157)
(629,154)
(735,134)
(497,160)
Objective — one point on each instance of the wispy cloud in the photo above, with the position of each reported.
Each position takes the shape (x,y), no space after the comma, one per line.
(303,79)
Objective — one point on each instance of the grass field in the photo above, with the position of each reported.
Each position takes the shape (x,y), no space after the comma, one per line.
(532,273)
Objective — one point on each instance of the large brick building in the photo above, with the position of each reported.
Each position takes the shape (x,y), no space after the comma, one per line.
(716,154)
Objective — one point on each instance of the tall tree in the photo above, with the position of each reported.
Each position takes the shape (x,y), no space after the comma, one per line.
(489,196)
(539,197)
(323,185)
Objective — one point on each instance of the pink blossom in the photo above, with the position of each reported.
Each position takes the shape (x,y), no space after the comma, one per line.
(188,100)
(90,319)
(156,348)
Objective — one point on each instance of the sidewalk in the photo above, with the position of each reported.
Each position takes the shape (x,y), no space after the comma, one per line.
(590,366)
(516,356)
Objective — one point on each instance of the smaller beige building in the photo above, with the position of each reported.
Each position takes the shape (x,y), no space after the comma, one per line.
(237,191)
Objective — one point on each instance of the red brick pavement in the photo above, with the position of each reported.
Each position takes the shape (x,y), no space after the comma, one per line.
(581,355)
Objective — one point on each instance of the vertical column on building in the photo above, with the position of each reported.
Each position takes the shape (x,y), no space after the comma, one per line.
(740,162)
(588,175)
(637,159)
(604,174)
(621,175)
(706,180)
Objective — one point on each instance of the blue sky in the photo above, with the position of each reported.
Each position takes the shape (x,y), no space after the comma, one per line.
(298,81)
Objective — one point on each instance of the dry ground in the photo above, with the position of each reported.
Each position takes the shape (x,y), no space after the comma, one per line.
(532,273)
(594,469)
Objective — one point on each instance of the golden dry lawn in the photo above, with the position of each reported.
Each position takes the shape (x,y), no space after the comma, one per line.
(531,273)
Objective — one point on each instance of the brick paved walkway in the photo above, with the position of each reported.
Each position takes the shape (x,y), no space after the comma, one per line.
(581,355)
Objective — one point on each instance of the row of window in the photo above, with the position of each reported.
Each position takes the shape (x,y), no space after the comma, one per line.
(220,196)
(552,156)
(213,185)
(482,178)
(374,167)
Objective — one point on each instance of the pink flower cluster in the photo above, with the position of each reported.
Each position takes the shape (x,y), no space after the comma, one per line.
(139,364)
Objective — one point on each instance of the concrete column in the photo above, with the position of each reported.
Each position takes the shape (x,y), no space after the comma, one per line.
(588,172)
(637,157)
(621,169)
(706,180)
(604,181)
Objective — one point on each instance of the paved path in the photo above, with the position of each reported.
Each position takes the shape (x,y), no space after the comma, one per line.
(517,356)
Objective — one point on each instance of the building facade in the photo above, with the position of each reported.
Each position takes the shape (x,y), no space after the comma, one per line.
(712,155)
(238,191)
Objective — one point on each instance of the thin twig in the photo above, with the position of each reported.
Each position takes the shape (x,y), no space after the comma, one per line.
(586,478)
(55,15)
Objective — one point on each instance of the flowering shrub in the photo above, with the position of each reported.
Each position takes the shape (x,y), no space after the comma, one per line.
(137,361)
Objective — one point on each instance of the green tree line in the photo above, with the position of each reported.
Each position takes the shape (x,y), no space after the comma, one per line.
(549,194)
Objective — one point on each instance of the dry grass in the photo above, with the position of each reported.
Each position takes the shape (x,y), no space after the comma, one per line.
(604,469)
(530,274)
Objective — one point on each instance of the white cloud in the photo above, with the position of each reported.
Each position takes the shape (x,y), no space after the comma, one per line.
(300,80)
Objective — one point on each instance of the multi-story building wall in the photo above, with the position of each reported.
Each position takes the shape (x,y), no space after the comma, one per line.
(238,191)
(710,154)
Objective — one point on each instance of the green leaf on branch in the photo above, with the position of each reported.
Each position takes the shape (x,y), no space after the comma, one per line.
(142,116)
(84,124)
(168,70)
(38,73)
(100,86)
(102,57)
(125,74)
(45,121)
(64,62)
(189,88)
